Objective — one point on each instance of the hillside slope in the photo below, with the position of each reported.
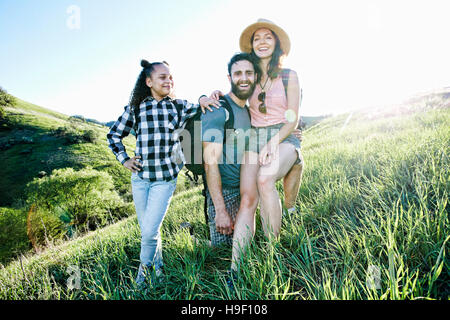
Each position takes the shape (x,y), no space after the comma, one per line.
(35,142)
(372,224)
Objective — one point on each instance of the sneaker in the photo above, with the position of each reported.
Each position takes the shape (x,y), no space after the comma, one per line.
(289,212)
(140,278)
(188,226)
(231,279)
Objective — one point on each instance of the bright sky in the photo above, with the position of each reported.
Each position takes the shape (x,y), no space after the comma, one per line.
(82,56)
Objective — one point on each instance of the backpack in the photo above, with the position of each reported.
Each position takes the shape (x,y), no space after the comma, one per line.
(192,146)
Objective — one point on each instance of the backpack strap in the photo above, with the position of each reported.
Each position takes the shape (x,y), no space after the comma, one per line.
(229,123)
(205,203)
(285,78)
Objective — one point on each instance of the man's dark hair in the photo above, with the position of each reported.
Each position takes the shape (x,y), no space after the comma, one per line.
(244,56)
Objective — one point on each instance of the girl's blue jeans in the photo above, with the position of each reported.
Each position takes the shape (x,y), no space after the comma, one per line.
(151,200)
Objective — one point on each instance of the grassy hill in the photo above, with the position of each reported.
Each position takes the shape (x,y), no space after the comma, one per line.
(36,145)
(373,223)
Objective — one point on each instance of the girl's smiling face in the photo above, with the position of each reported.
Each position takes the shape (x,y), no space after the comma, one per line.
(263,43)
(160,82)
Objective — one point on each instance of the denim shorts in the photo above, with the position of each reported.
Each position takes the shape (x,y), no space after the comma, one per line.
(259,137)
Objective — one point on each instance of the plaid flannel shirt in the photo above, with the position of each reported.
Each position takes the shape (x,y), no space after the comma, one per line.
(157,136)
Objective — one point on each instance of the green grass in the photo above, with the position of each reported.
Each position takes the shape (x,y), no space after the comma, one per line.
(374,196)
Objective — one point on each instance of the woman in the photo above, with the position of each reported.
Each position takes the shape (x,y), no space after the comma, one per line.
(158,159)
(272,150)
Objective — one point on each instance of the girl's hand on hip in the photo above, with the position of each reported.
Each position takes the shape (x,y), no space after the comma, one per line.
(133,165)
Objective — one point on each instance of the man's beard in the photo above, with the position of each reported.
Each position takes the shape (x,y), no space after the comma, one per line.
(241,94)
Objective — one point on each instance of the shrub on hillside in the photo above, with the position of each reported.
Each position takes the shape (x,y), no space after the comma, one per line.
(44,226)
(69,202)
(74,133)
(90,135)
(13,235)
(6,100)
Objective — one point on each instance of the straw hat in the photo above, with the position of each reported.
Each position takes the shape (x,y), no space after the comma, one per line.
(246,36)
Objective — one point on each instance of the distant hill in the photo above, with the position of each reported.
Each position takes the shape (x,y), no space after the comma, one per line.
(308,121)
(38,140)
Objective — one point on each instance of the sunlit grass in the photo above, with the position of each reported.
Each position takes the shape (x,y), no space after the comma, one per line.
(374,197)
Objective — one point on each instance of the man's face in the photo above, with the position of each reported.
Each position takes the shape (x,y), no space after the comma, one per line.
(242,79)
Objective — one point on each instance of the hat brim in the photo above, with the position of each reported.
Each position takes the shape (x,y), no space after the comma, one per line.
(245,41)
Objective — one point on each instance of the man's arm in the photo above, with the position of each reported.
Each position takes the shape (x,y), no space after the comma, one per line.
(212,154)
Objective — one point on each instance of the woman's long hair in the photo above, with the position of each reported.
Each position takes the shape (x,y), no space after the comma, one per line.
(141,90)
(275,64)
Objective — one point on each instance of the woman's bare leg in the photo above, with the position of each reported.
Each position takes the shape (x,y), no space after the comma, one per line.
(268,175)
(291,184)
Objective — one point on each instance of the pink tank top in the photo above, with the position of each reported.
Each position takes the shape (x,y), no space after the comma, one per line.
(276,105)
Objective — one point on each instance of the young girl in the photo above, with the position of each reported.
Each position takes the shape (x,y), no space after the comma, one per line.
(155,116)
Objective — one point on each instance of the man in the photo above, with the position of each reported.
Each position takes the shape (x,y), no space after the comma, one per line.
(222,158)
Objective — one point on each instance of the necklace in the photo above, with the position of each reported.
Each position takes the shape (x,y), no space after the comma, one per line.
(265,83)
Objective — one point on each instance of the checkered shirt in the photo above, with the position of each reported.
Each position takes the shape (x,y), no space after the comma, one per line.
(157,136)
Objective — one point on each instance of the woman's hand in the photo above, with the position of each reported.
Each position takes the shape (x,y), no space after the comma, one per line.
(133,165)
(206,102)
(268,153)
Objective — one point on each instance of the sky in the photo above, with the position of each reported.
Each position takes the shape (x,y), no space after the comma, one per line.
(82,57)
